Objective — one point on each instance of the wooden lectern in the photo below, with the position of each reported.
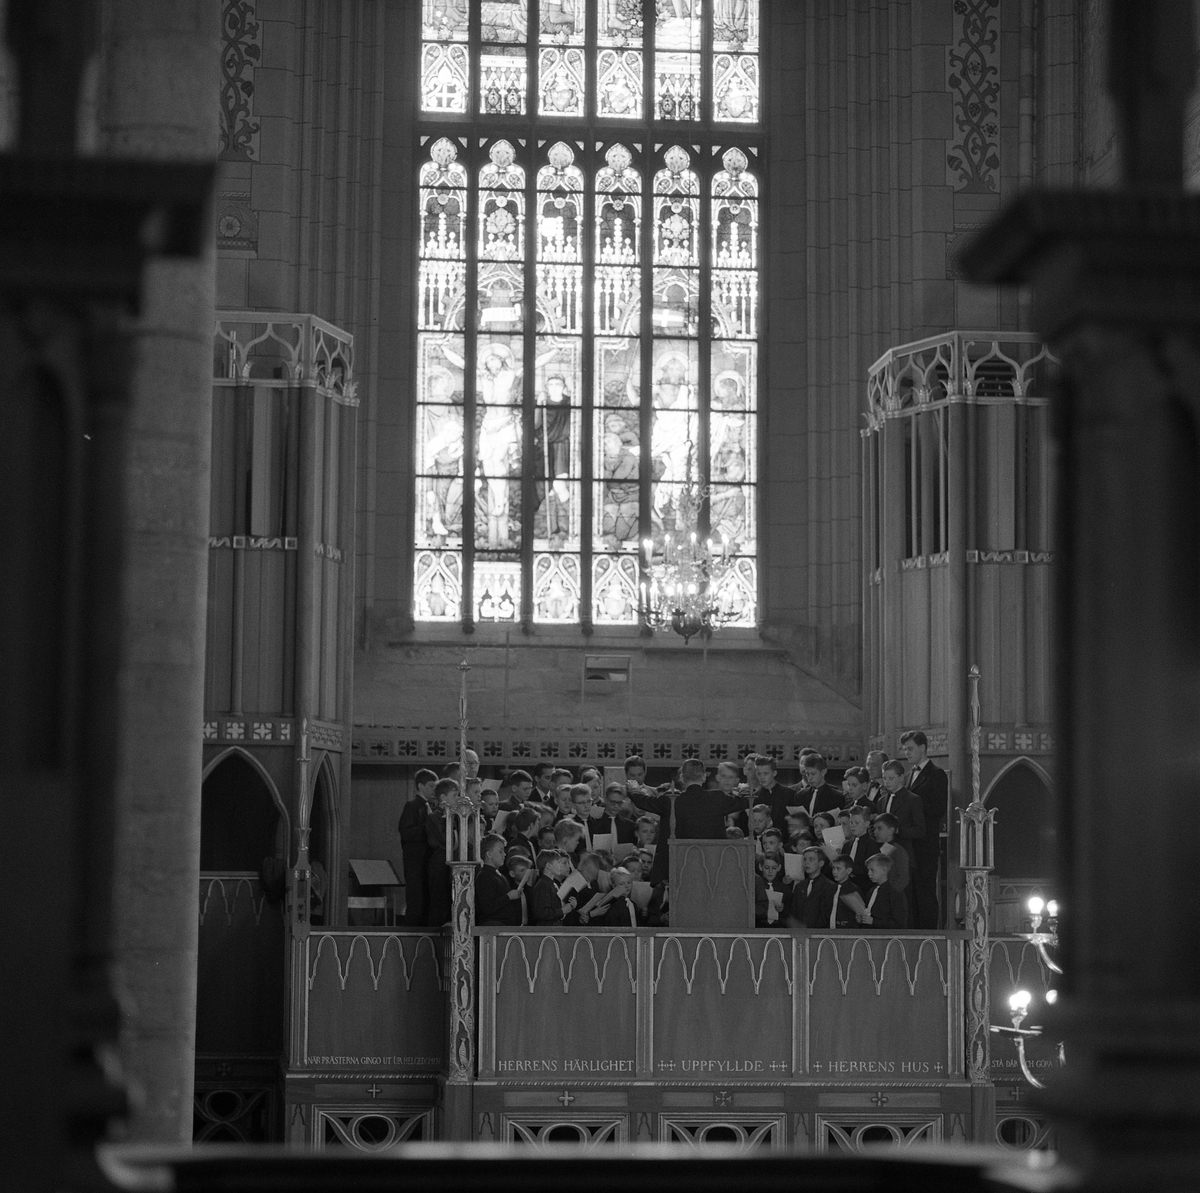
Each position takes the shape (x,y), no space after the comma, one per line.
(712,886)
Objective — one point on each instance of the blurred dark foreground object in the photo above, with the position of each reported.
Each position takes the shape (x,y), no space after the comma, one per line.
(664,1168)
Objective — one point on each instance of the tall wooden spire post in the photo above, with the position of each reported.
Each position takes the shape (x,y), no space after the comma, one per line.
(462,856)
(976,860)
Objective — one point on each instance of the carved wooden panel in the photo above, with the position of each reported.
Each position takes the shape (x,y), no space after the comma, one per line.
(370,1129)
(747,1132)
(544,1131)
(854,1133)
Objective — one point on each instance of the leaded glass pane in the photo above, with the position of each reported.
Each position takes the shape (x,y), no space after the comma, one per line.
(735,216)
(437,585)
(618,298)
(498,374)
(675,429)
(558,384)
(619,84)
(735,88)
(443,254)
(439,446)
(563,22)
(676,211)
(735,253)
(501,297)
(445,20)
(736,589)
(677,302)
(444,77)
(561,82)
(502,80)
(498,445)
(677,86)
(735,302)
(618,376)
(557,464)
(678,25)
(677,33)
(615,589)
(556,588)
(734,376)
(617,281)
(498,498)
(731,516)
(676,375)
(733,455)
(502,205)
(560,298)
(560,196)
(616,466)
(619,63)
(497,586)
(504,21)
(619,23)
(735,25)
(503,72)
(618,209)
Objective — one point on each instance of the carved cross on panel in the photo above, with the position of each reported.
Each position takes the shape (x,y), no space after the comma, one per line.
(566,1098)
(880,1099)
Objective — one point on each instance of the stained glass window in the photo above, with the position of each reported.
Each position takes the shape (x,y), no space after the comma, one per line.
(580,198)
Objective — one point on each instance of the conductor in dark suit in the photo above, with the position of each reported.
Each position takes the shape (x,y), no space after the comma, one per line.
(694,815)
(931,785)
(414,846)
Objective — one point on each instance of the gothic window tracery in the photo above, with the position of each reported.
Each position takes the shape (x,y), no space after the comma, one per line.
(578,194)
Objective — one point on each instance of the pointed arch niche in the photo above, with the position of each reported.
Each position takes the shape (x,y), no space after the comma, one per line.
(1022,793)
(242,816)
(323,844)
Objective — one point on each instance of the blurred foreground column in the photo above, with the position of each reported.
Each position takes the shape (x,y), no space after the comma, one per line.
(159,99)
(1116,290)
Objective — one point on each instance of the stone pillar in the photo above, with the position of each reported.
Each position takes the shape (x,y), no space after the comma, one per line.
(1116,290)
(159,98)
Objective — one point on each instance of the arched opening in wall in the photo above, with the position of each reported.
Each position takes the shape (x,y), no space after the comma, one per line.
(240,968)
(322,845)
(1025,834)
(240,821)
